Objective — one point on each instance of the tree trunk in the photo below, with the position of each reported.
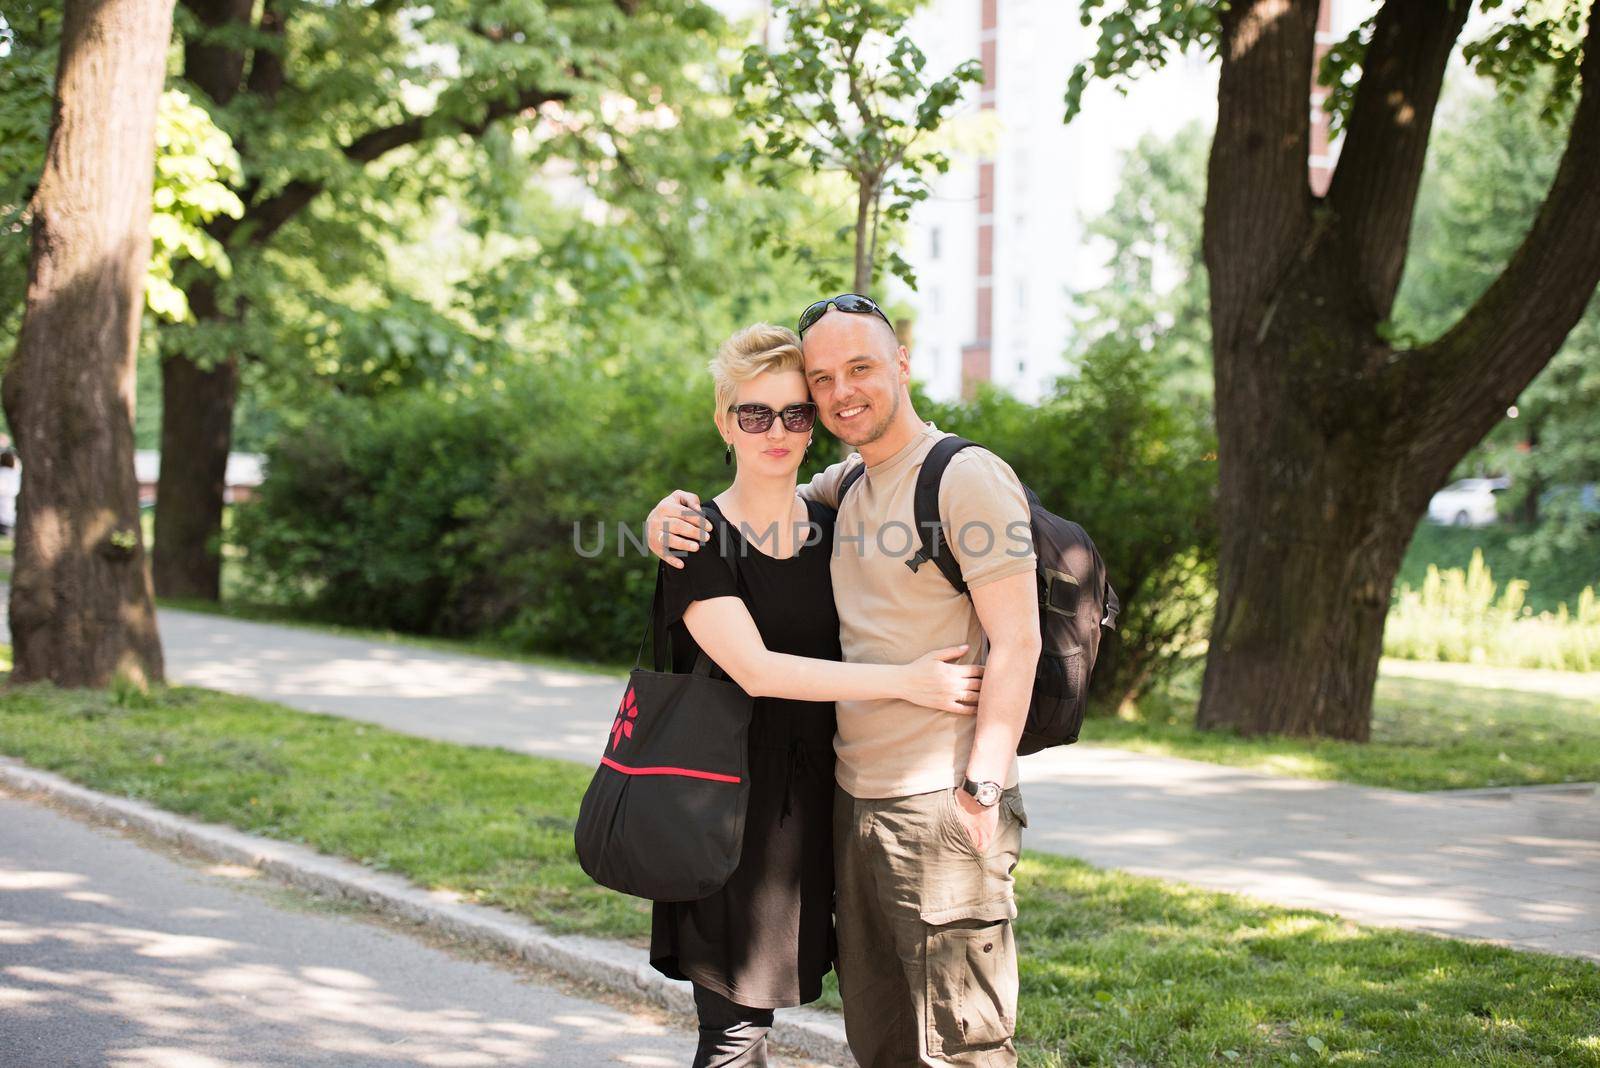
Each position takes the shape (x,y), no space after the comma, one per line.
(862,282)
(1318,498)
(194,463)
(81,607)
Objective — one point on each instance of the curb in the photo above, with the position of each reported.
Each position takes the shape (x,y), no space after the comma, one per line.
(613,965)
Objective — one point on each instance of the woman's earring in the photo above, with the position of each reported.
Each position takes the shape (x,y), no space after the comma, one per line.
(727,457)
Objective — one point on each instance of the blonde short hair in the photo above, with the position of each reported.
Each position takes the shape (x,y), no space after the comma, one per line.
(753,351)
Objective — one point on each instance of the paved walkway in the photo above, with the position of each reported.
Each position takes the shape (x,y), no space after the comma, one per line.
(1521,867)
(113,955)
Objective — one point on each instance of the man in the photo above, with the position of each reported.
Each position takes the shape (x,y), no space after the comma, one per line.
(927,815)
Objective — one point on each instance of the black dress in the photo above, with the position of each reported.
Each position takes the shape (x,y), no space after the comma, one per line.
(766,938)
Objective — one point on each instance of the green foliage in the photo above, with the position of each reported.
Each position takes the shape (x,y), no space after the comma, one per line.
(1108,450)
(598,233)
(1156,296)
(1490,166)
(561,324)
(195,167)
(1137,37)
(1131,441)
(366,515)
(1458,616)
(1536,48)
(846,92)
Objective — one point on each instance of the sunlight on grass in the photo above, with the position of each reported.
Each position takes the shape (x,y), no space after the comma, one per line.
(1427,734)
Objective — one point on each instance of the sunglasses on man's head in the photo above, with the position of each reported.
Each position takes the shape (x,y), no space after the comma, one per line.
(854,303)
(757,418)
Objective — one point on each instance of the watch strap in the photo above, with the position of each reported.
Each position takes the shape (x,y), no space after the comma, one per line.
(974,788)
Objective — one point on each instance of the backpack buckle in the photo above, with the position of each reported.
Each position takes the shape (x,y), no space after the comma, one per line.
(917,560)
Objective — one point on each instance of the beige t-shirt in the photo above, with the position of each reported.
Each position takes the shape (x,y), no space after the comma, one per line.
(889,614)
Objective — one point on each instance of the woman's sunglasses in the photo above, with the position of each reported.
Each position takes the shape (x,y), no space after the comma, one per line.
(757,418)
(854,303)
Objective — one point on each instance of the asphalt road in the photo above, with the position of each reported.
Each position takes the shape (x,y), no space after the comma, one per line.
(119,954)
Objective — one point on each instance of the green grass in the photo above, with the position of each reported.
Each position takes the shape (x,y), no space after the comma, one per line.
(1552,582)
(1117,969)
(1426,735)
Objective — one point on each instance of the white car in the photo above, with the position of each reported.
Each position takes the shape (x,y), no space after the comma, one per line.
(1468,503)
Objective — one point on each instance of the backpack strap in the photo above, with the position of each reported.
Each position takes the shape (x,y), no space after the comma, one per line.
(851,477)
(925,507)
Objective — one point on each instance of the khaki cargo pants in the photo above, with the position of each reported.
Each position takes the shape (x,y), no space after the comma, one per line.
(927,958)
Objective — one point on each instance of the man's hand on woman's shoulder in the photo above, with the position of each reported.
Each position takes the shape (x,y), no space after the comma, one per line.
(675,525)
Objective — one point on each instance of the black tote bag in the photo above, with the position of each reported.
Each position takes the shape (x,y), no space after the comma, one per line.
(663,817)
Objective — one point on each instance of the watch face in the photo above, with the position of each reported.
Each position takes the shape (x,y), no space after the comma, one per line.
(988,793)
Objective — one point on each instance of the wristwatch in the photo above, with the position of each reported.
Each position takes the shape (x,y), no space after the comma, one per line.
(985,793)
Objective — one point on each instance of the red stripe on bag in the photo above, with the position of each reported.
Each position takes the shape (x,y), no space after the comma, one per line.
(686,772)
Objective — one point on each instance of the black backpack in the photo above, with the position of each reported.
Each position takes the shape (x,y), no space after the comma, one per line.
(1075,600)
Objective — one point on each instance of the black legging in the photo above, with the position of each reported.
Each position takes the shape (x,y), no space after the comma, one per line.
(731,1035)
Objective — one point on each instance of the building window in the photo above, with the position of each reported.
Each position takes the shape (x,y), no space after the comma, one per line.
(933,243)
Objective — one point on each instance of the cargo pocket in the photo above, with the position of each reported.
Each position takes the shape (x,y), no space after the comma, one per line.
(971,980)
(1012,800)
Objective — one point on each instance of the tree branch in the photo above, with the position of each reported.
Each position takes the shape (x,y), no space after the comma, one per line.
(1471,374)
(264,218)
(1374,189)
(1258,205)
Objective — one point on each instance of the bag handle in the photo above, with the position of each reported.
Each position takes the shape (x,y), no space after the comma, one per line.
(656,629)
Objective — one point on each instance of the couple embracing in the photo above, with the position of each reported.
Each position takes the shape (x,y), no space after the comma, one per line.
(884,817)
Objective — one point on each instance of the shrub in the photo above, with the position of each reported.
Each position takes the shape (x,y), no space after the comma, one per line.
(368,513)
(1459,617)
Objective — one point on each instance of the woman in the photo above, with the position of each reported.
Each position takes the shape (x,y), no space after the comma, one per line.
(765,940)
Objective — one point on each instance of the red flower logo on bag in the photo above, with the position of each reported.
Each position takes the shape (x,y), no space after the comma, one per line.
(627,712)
